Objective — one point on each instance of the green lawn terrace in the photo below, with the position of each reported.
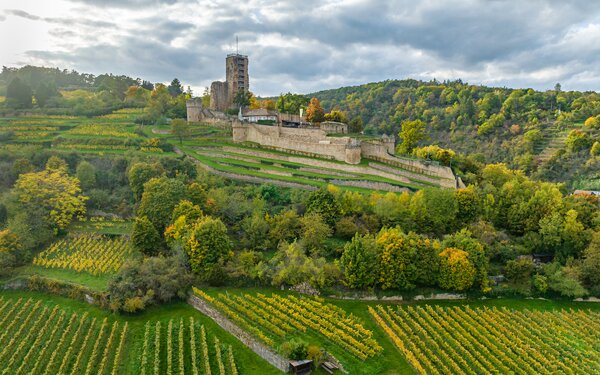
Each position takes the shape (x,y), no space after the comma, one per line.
(47,334)
(253,163)
(115,133)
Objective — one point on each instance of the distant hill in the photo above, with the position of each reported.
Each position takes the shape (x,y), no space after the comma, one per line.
(524,128)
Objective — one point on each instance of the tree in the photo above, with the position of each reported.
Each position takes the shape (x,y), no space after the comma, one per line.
(456,271)
(591,264)
(44,92)
(57,164)
(324,203)
(10,251)
(337,116)
(175,88)
(359,262)
(143,282)
(256,232)
(145,237)
(54,192)
(291,103)
(86,173)
(434,211)
(595,150)
(464,240)
(19,94)
(412,133)
(160,197)
(393,259)
(469,204)
(208,248)
(577,140)
(434,152)
(314,232)
(284,226)
(140,173)
(314,112)
(291,266)
(180,129)
(355,125)
(242,98)
(147,85)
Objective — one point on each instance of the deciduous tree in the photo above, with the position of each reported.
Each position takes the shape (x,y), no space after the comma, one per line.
(411,134)
(314,112)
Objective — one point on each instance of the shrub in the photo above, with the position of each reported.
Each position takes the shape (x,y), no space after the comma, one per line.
(295,349)
(519,270)
(149,281)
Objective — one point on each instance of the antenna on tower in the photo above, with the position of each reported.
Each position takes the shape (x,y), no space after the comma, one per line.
(237,49)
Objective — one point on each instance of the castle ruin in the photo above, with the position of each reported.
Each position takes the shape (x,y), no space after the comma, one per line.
(236,79)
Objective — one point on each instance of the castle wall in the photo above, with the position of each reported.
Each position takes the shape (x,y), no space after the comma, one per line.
(219,98)
(305,140)
(316,142)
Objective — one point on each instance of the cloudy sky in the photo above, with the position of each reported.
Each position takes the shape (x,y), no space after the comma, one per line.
(305,45)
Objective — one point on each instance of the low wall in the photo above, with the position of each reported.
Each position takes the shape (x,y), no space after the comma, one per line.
(257,347)
(304,140)
(323,164)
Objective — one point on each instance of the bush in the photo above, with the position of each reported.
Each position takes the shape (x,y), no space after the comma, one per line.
(295,349)
(316,354)
(519,270)
(155,280)
(540,283)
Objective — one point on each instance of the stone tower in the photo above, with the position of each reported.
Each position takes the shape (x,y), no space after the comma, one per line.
(236,78)
(194,110)
(236,67)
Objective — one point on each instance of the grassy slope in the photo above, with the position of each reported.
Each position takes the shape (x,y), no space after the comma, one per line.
(247,361)
(98,283)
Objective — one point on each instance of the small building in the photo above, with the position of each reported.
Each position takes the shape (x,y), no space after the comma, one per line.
(334,127)
(260,115)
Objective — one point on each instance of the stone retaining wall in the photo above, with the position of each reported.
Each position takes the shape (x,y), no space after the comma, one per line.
(254,179)
(324,164)
(370,185)
(257,347)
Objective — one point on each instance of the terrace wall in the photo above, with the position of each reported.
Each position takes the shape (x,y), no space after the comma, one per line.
(257,347)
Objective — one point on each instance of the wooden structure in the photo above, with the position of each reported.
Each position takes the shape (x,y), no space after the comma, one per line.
(303,367)
(329,367)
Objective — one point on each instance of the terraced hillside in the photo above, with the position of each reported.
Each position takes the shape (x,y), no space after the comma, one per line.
(213,150)
(110,134)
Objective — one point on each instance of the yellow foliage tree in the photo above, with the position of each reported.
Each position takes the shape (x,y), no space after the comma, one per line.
(55,192)
(456,270)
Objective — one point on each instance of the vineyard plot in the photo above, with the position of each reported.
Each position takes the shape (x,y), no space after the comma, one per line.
(184,347)
(39,339)
(274,318)
(463,340)
(91,253)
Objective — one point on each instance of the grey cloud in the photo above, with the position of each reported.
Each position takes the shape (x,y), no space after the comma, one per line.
(22,13)
(124,3)
(328,44)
